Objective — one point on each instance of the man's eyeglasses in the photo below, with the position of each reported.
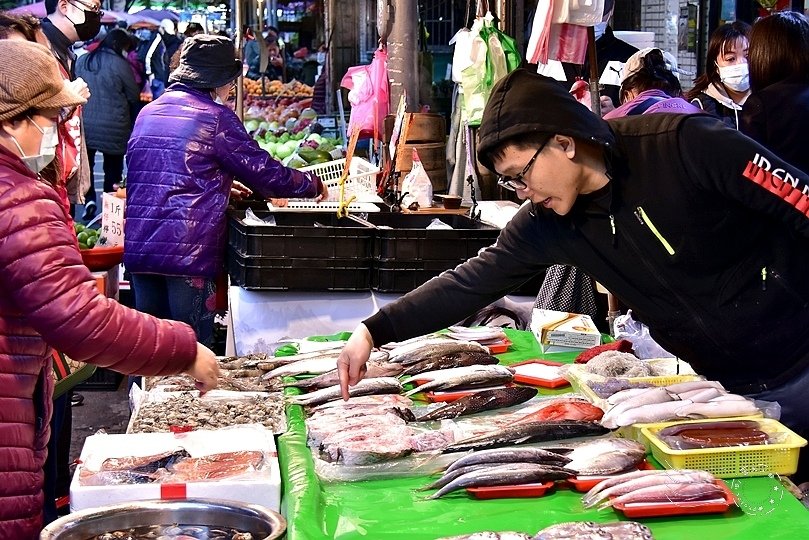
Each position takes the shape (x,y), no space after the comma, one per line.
(87,6)
(513,183)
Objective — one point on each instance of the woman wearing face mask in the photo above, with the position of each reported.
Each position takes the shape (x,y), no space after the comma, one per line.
(107,114)
(777,113)
(49,297)
(185,151)
(724,87)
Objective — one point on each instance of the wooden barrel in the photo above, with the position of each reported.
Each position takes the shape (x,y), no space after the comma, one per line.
(427,134)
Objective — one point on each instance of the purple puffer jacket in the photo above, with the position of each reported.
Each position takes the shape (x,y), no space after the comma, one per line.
(184,153)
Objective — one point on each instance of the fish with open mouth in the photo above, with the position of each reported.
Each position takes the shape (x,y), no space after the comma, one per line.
(330,378)
(505,475)
(444,379)
(452,360)
(380,385)
(485,400)
(525,432)
(418,351)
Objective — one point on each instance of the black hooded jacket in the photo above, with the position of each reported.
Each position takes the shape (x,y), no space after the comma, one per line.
(701,231)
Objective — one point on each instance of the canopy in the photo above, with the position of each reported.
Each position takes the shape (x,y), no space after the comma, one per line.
(159,14)
(38,10)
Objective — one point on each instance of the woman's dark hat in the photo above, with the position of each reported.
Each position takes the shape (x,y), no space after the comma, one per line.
(207,61)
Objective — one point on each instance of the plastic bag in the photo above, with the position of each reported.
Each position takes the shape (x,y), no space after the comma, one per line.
(585,12)
(368,95)
(638,333)
(417,186)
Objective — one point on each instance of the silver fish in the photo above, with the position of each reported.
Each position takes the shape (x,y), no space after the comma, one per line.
(380,385)
(718,409)
(646,414)
(615,480)
(488,535)
(606,456)
(524,432)
(522,454)
(673,477)
(624,530)
(316,365)
(330,378)
(422,350)
(673,492)
(464,376)
(453,360)
(679,388)
(449,476)
(505,475)
(652,395)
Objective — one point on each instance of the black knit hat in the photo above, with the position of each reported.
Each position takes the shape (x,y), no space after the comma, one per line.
(524,102)
(207,61)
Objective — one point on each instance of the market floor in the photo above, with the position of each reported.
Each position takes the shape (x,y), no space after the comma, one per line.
(107,410)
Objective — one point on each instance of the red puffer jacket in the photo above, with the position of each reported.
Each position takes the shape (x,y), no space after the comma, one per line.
(48,298)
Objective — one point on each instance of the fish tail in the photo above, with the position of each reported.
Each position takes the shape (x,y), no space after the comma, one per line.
(606,504)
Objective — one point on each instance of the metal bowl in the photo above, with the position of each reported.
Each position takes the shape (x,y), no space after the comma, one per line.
(201,512)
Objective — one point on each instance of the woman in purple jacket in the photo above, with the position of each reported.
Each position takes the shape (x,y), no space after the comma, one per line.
(186,150)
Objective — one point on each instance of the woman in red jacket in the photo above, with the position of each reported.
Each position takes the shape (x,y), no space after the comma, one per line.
(49,299)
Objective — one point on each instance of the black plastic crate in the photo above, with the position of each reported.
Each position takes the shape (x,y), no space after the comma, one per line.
(281,274)
(408,238)
(102,379)
(401,277)
(316,235)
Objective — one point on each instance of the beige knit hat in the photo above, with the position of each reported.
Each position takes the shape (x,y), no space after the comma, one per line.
(30,79)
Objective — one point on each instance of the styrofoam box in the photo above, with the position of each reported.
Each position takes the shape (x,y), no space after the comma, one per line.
(262,487)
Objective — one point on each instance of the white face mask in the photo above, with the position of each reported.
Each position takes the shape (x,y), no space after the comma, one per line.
(600,28)
(47,148)
(736,77)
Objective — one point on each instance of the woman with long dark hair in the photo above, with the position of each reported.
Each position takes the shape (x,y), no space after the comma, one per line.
(777,112)
(724,87)
(107,118)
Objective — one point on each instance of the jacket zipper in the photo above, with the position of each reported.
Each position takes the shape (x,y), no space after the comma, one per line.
(764,278)
(674,293)
(644,220)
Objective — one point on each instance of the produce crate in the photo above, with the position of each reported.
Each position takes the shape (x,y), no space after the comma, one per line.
(300,235)
(285,273)
(361,178)
(735,461)
(406,238)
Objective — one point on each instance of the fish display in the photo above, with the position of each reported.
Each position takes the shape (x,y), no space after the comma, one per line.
(393,401)
(565,409)
(481,334)
(380,385)
(216,466)
(145,464)
(452,360)
(692,399)
(505,475)
(670,492)
(317,365)
(526,432)
(190,410)
(180,532)
(420,350)
(484,400)
(516,454)
(628,483)
(330,378)
(623,530)
(488,535)
(444,379)
(606,456)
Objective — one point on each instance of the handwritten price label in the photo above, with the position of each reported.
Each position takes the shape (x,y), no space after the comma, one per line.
(112,221)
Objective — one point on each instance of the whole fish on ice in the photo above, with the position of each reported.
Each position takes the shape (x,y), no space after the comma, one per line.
(418,351)
(381,385)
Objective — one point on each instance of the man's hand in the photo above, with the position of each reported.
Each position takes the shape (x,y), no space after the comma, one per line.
(239,191)
(280,203)
(205,369)
(351,363)
(323,193)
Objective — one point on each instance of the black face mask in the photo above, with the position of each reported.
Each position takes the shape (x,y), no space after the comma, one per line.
(90,27)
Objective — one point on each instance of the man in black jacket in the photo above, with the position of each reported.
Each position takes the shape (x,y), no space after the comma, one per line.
(700,230)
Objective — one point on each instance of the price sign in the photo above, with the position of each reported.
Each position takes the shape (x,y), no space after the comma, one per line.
(112,221)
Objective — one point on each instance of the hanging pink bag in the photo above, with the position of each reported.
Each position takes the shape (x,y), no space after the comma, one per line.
(368,95)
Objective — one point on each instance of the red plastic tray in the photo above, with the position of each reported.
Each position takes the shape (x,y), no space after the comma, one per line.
(454,395)
(499,347)
(535,381)
(681,508)
(511,492)
(586,483)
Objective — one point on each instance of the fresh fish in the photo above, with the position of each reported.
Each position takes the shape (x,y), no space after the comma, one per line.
(378,402)
(670,492)
(485,400)
(453,360)
(330,378)
(646,414)
(525,432)
(641,482)
(606,456)
(465,376)
(315,366)
(565,409)
(623,395)
(729,397)
(488,535)
(679,388)
(449,476)
(718,409)
(505,475)
(651,395)
(145,464)
(588,530)
(418,351)
(380,385)
(615,480)
(479,333)
(517,454)
(701,395)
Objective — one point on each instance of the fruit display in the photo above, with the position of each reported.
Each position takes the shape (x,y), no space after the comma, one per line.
(88,238)
(293,88)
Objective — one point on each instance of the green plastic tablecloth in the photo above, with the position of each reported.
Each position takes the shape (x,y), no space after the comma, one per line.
(392,509)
